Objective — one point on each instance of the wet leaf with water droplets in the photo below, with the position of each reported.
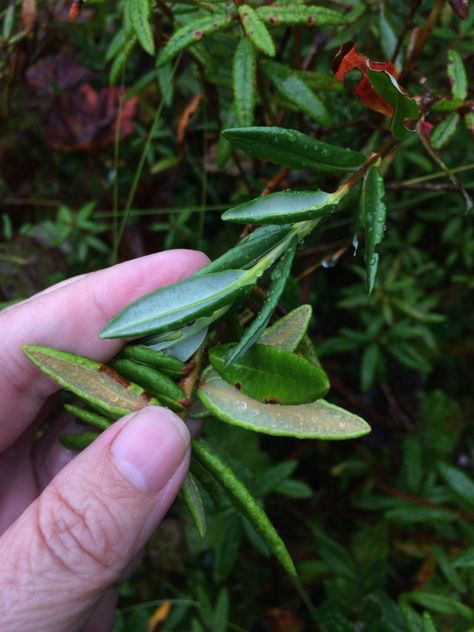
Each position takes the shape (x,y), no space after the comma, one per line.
(372,214)
(291,148)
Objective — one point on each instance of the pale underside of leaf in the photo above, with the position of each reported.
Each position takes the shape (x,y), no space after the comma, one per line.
(317,420)
(95,383)
(288,331)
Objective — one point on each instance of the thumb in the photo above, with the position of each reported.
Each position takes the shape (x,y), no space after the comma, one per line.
(74,541)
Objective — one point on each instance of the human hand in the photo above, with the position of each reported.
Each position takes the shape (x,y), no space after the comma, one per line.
(71,526)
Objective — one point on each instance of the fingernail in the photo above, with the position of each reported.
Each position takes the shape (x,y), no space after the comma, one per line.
(150,448)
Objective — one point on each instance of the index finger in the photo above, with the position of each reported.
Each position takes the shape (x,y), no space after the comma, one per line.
(70,318)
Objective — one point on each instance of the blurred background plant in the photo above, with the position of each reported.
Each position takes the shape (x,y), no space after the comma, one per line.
(111,149)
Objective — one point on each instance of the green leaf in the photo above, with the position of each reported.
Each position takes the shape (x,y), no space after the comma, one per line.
(192,499)
(78,442)
(87,416)
(444,131)
(370,359)
(271,375)
(388,36)
(157,359)
(428,624)
(439,603)
(279,278)
(175,305)
(244,74)
(457,75)
(96,384)
(224,148)
(227,547)
(318,420)
(300,14)
(372,213)
(291,148)
(295,90)
(283,207)
(248,251)
(154,382)
(465,560)
(191,33)
(404,108)
(256,30)
(288,332)
(447,105)
(242,498)
(140,14)
(121,59)
(459,482)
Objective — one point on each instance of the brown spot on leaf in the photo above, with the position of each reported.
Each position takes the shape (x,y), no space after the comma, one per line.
(104,368)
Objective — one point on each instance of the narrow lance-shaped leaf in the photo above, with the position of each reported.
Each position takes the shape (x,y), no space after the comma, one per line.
(157,359)
(248,251)
(191,33)
(242,498)
(256,30)
(271,375)
(192,499)
(291,148)
(244,77)
(300,14)
(279,277)
(372,214)
(140,15)
(457,75)
(405,109)
(458,481)
(444,131)
(294,89)
(283,207)
(317,420)
(87,416)
(96,384)
(156,383)
(177,304)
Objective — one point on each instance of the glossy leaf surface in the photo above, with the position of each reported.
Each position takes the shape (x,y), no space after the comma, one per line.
(190,34)
(248,251)
(372,213)
(192,499)
(404,108)
(140,14)
(291,148)
(279,277)
(282,208)
(271,375)
(79,441)
(316,420)
(96,384)
(300,14)
(244,73)
(175,305)
(241,497)
(256,30)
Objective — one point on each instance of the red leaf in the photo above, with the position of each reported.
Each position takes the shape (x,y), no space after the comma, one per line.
(75,116)
(348,59)
(460,8)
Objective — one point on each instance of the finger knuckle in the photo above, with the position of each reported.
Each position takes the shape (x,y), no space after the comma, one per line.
(81,536)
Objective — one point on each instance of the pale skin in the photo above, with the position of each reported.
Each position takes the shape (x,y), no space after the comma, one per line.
(71,526)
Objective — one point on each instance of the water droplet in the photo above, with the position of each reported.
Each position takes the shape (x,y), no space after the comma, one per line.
(328,262)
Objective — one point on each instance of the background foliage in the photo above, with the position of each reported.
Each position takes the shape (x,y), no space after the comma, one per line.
(380,528)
